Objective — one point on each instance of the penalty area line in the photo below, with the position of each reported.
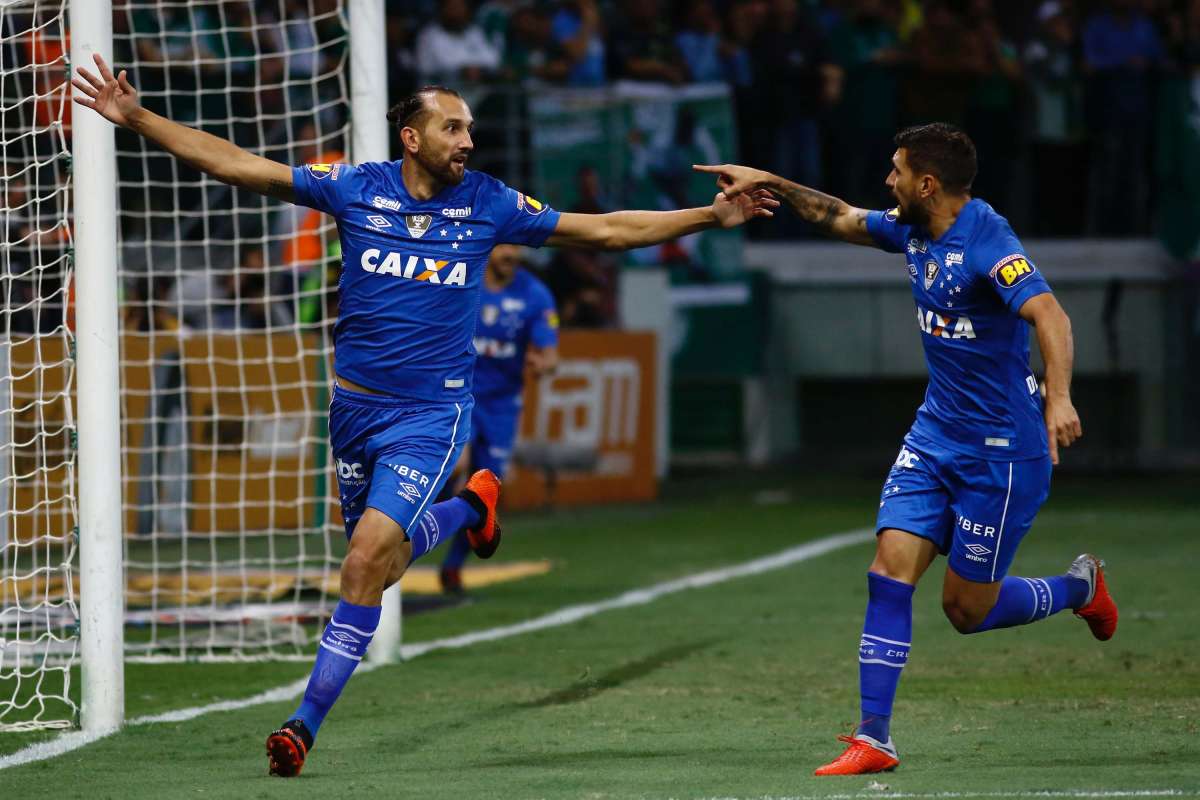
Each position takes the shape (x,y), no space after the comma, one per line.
(564,616)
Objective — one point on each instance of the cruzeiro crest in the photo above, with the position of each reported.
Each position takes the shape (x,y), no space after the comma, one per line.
(417,224)
(932,268)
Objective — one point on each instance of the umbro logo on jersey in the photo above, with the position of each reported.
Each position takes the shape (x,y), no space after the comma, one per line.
(978,549)
(417,224)
(932,267)
(378,222)
(415,268)
(385,202)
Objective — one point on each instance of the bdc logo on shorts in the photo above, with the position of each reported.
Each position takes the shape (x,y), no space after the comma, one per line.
(907,458)
(350,472)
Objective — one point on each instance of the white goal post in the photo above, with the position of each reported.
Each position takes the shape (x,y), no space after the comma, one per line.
(97,354)
(192,516)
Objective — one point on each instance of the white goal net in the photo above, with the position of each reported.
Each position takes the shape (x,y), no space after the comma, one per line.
(38,534)
(231,534)
(227,301)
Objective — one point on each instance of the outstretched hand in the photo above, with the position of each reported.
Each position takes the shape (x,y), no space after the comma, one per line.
(734,179)
(113,98)
(734,211)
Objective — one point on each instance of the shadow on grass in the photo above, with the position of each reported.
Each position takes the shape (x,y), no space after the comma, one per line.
(589,686)
(581,690)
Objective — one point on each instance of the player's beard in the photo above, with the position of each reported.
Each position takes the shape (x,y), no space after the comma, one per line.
(911,213)
(443,170)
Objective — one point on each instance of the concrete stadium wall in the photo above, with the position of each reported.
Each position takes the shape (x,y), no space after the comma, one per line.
(843,313)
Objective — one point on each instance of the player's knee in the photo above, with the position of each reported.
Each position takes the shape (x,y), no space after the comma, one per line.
(964,616)
(895,571)
(370,556)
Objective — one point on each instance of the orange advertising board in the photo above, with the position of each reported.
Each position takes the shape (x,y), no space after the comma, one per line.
(252,409)
(588,432)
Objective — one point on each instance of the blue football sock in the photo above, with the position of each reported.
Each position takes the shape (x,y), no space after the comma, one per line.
(439,523)
(342,646)
(883,651)
(457,553)
(1025,600)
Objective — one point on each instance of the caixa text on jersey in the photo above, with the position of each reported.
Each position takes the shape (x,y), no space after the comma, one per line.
(417,268)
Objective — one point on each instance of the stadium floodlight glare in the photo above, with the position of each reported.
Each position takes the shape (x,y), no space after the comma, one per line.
(165,483)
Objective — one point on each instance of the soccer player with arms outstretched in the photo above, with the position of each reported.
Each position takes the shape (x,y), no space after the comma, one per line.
(975,466)
(415,237)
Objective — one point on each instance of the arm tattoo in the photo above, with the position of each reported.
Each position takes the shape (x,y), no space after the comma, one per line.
(816,207)
(281,190)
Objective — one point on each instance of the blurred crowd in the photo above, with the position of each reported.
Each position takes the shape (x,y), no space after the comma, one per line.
(1061,96)
(1064,99)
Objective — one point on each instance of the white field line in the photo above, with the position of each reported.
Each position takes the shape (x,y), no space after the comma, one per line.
(564,616)
(1049,794)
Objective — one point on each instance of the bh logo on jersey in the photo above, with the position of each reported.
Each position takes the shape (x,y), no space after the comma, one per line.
(943,327)
(351,473)
(416,268)
(1011,270)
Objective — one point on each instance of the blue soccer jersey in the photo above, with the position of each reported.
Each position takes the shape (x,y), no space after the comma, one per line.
(411,271)
(968,285)
(520,314)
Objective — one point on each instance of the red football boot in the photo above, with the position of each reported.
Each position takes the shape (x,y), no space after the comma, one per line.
(1099,612)
(287,748)
(483,492)
(863,757)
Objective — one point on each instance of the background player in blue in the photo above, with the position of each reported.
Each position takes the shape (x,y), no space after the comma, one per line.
(517,331)
(415,235)
(975,466)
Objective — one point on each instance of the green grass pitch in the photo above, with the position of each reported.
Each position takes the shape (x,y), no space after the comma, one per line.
(733,691)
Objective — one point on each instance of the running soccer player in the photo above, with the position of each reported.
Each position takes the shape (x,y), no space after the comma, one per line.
(517,330)
(415,235)
(975,466)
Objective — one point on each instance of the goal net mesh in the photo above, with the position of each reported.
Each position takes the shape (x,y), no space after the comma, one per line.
(38,534)
(227,303)
(232,537)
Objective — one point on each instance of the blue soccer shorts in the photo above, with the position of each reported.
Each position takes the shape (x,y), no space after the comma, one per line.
(493,431)
(393,455)
(975,510)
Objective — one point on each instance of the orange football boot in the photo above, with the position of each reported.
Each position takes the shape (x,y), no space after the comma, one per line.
(1100,611)
(864,756)
(483,493)
(287,748)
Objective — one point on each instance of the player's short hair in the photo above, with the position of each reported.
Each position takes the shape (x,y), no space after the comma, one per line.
(941,150)
(412,111)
